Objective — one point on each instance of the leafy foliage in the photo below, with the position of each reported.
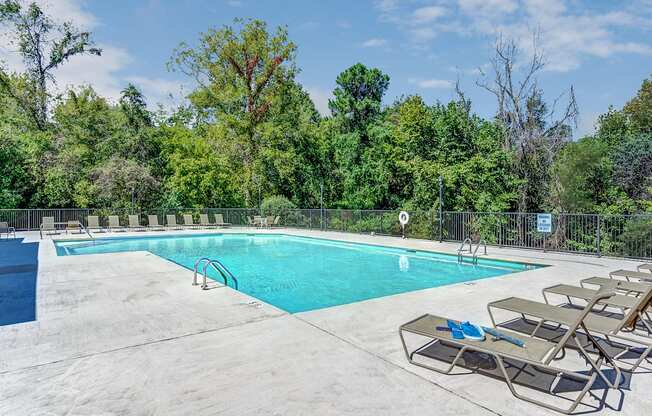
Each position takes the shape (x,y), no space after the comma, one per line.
(251,136)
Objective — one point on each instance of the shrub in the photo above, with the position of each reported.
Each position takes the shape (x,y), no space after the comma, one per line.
(281,206)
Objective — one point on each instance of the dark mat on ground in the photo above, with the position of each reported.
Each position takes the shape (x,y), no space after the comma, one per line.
(520,373)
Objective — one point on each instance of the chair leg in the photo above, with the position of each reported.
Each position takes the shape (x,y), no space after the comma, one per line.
(587,386)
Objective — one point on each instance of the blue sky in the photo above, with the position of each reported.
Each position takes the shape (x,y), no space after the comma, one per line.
(602,48)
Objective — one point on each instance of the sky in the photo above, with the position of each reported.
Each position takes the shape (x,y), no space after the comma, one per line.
(603,48)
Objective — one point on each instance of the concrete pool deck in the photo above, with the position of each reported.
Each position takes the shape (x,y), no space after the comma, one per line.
(126,333)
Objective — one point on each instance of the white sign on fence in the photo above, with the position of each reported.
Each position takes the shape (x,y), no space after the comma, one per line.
(544,223)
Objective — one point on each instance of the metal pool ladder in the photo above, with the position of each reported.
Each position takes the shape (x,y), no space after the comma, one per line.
(474,252)
(217,265)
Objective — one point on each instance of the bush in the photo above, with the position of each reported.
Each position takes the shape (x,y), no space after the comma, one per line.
(281,206)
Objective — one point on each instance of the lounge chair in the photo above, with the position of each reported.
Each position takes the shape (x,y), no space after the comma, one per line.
(73,225)
(269,221)
(152,223)
(6,229)
(219,221)
(250,221)
(625,329)
(645,266)
(114,223)
(134,223)
(622,286)
(511,362)
(631,274)
(47,226)
(204,222)
(189,222)
(93,223)
(171,222)
(259,221)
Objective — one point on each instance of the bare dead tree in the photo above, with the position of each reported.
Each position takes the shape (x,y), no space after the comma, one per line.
(534,130)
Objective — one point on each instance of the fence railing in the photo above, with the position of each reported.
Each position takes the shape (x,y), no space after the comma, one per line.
(610,235)
(607,235)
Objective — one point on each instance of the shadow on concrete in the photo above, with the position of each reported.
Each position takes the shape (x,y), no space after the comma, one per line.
(18,274)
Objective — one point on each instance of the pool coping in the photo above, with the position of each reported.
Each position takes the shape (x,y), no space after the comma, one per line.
(257,234)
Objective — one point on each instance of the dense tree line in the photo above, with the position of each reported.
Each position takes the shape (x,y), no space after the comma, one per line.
(251,131)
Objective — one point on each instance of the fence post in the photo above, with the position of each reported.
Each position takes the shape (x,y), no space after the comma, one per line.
(598,237)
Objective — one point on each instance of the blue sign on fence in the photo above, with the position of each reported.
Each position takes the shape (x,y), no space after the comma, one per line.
(544,223)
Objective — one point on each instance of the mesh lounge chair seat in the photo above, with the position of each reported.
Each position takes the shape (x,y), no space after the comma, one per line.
(537,353)
(269,222)
(622,286)
(188,221)
(152,221)
(631,274)
(72,226)
(205,222)
(576,292)
(93,222)
(625,329)
(6,229)
(47,226)
(134,223)
(171,222)
(114,223)
(219,221)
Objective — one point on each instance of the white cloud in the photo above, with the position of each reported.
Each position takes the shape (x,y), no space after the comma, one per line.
(374,43)
(343,24)
(423,34)
(67,11)
(428,14)
(235,3)
(570,31)
(320,98)
(168,93)
(103,73)
(98,71)
(431,83)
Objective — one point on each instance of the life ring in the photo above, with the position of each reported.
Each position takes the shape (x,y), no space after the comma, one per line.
(403,217)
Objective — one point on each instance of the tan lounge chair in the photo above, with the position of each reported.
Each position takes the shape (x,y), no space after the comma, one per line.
(114,223)
(93,222)
(47,226)
(152,223)
(644,266)
(622,286)
(204,221)
(189,222)
(219,221)
(171,222)
(512,362)
(624,329)
(134,223)
(631,274)
(72,226)
(6,229)
(250,221)
(269,221)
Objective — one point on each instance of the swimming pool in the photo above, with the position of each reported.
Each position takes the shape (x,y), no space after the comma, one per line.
(299,274)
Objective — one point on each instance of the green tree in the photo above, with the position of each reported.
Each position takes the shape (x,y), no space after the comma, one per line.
(240,73)
(44,46)
(358,96)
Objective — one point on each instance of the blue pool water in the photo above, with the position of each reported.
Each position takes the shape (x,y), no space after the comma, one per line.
(300,274)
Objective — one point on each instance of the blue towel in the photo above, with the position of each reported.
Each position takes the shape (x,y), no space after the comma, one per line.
(456,330)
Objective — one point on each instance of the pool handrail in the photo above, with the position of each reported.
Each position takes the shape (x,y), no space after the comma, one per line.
(219,267)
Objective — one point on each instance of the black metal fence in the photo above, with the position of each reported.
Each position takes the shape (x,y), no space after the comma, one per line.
(609,235)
